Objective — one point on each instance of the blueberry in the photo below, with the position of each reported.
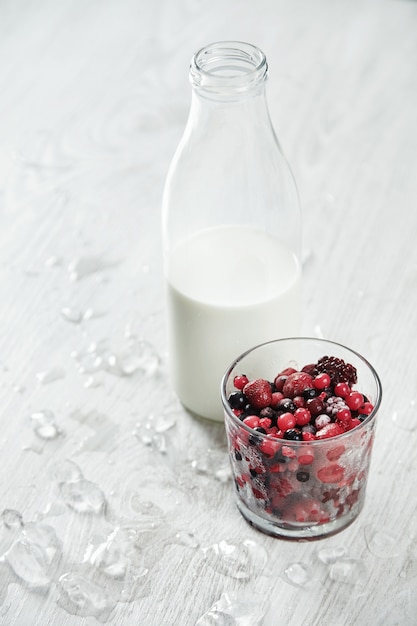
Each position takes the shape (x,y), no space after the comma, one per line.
(293,434)
(269,413)
(286,405)
(237,400)
(302,477)
(310,393)
(238,456)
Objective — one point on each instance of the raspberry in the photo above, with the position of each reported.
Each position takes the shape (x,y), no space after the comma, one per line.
(296,383)
(258,393)
(337,369)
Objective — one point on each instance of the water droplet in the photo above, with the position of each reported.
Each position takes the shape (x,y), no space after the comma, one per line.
(383,544)
(85,266)
(92,382)
(43,536)
(83,496)
(349,571)
(138,355)
(66,472)
(308,257)
(27,562)
(331,555)
(71,315)
(53,261)
(80,596)
(318,332)
(298,574)
(12,519)
(186,538)
(213,463)
(405,417)
(44,426)
(50,375)
(233,609)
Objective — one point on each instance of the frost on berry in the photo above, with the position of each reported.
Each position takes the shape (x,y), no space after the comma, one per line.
(337,369)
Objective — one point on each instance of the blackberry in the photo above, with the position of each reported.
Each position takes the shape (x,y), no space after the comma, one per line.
(337,369)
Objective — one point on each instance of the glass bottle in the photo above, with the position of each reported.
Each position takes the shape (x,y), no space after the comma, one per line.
(231,227)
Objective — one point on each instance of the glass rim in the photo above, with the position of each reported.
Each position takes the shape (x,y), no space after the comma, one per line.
(245,63)
(290,442)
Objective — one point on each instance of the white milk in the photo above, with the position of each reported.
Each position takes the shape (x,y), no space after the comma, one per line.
(229,289)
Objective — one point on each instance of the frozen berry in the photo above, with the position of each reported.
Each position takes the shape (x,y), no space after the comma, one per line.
(286,421)
(342,390)
(315,406)
(293,434)
(286,404)
(237,400)
(309,393)
(321,421)
(331,430)
(240,381)
(252,421)
(276,397)
(354,400)
(302,416)
(296,383)
(337,369)
(302,476)
(321,381)
(258,392)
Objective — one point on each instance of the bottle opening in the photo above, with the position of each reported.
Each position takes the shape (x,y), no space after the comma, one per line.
(228,67)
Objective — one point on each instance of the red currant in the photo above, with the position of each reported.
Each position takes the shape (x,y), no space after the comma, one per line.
(240,381)
(354,400)
(252,421)
(366,408)
(302,416)
(277,396)
(321,381)
(342,390)
(286,421)
(344,415)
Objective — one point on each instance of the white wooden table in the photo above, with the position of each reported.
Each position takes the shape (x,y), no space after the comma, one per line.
(116,505)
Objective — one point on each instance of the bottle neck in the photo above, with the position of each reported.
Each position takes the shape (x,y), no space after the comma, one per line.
(228,72)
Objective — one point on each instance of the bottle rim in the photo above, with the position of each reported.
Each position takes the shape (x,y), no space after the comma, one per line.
(227,68)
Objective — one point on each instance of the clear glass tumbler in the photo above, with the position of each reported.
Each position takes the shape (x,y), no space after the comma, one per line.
(299,489)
